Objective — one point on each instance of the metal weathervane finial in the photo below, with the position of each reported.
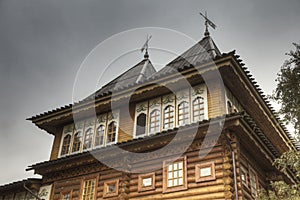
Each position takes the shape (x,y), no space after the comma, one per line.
(207,22)
(145,47)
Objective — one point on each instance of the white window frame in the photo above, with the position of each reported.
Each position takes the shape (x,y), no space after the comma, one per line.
(154,104)
(100,122)
(65,132)
(168,100)
(199,91)
(112,117)
(141,108)
(181,96)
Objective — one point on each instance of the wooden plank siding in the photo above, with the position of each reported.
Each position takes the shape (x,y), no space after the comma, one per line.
(126,123)
(56,144)
(216,101)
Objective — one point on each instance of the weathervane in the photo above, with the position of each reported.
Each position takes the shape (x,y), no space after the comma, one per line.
(145,47)
(207,22)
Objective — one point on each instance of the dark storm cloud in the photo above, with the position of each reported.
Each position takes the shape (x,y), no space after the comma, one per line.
(42,44)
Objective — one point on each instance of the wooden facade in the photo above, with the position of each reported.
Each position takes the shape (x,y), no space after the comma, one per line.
(230,156)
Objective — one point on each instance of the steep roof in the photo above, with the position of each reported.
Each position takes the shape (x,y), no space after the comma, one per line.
(136,74)
(142,72)
(202,51)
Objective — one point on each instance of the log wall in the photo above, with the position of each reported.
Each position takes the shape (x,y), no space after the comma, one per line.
(219,188)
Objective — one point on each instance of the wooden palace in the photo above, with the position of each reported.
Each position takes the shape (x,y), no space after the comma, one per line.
(201,124)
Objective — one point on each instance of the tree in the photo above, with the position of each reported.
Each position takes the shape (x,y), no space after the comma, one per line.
(287,94)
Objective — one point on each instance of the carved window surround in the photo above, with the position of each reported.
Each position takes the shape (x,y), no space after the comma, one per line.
(177,116)
(89,126)
(205,172)
(91,179)
(175,175)
(146,182)
(111,188)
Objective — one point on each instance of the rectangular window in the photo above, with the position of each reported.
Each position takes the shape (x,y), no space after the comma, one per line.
(244,176)
(66,196)
(253,182)
(88,191)
(111,188)
(174,175)
(205,172)
(146,182)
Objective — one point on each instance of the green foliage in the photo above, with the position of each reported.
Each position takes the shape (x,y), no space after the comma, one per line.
(287,92)
(281,190)
(291,160)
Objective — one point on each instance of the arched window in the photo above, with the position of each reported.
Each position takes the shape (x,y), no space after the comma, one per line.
(99,139)
(77,141)
(66,145)
(183,113)
(169,117)
(198,109)
(88,139)
(111,133)
(140,124)
(154,121)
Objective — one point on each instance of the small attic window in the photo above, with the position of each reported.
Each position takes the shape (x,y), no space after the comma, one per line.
(205,172)
(111,188)
(146,182)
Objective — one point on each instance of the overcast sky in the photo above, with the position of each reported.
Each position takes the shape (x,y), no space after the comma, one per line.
(43,43)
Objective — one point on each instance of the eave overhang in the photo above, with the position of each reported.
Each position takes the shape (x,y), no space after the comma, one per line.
(144,144)
(230,67)
(256,104)
(50,120)
(18,186)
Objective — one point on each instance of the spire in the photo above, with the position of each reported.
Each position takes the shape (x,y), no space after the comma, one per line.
(207,22)
(146,55)
(145,47)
